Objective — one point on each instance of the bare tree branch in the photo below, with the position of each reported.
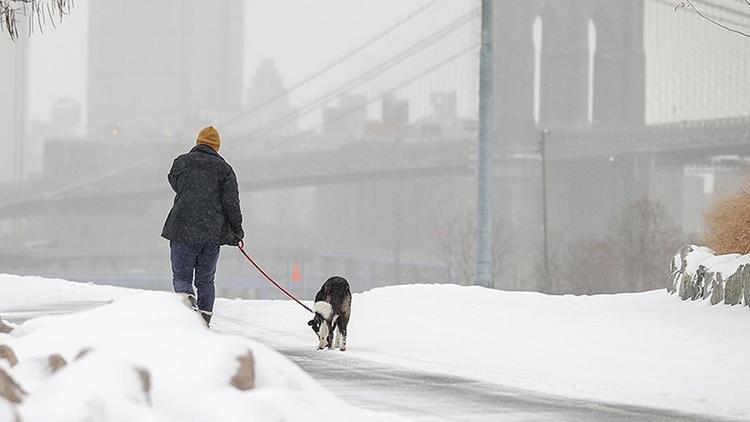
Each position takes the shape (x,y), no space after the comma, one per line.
(456,246)
(688,4)
(36,12)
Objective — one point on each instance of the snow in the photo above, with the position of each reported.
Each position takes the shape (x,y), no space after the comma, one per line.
(24,291)
(7,412)
(695,258)
(729,262)
(647,349)
(726,264)
(189,366)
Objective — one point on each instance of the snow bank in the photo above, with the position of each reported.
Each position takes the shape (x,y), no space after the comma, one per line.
(636,349)
(697,273)
(7,411)
(147,357)
(17,291)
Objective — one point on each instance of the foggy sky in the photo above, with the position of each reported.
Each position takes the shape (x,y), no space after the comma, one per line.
(299,42)
(303,35)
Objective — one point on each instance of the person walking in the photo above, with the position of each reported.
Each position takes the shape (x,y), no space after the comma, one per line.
(205,215)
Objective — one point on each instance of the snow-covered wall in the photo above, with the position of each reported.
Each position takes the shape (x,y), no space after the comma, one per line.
(698,273)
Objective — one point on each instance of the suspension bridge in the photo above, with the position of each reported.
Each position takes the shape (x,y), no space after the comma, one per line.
(617,83)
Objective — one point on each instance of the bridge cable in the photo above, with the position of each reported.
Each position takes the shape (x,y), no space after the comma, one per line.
(358,80)
(444,31)
(331,65)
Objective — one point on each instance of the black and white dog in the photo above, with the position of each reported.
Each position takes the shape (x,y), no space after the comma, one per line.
(332,309)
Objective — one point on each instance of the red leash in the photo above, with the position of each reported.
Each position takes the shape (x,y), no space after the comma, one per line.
(241,246)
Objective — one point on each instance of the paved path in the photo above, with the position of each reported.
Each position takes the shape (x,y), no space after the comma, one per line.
(431,397)
(425,396)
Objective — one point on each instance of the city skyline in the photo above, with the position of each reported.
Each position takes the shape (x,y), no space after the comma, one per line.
(693,48)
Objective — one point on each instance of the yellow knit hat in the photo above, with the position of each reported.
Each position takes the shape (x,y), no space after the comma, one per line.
(209,136)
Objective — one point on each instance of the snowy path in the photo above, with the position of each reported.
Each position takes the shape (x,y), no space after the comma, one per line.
(24,313)
(425,396)
(417,395)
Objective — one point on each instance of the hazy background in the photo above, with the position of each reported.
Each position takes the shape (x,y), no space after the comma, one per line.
(302,36)
(376,181)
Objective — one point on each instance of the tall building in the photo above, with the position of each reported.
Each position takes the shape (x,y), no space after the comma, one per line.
(348,119)
(13,103)
(394,122)
(65,125)
(395,111)
(267,103)
(162,66)
(443,122)
(444,104)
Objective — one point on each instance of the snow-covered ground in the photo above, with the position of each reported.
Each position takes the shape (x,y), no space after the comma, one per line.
(189,367)
(17,291)
(647,349)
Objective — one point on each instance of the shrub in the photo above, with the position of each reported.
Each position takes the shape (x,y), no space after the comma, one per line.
(630,258)
(728,225)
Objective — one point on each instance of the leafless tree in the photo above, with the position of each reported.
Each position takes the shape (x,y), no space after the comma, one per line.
(716,20)
(644,239)
(38,13)
(456,243)
(632,257)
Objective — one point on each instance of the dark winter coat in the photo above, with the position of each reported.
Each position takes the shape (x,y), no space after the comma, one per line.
(207,205)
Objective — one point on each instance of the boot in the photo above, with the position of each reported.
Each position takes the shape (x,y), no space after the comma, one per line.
(206,316)
(191,301)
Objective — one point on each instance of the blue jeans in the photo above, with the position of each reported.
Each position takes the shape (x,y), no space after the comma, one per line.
(189,259)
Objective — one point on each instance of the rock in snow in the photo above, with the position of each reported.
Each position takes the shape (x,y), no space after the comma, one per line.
(5,327)
(7,354)
(697,273)
(244,379)
(9,388)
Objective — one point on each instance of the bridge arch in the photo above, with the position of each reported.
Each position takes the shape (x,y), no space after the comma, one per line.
(562,86)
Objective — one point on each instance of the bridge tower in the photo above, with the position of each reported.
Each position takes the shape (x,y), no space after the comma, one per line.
(582,67)
(614,92)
